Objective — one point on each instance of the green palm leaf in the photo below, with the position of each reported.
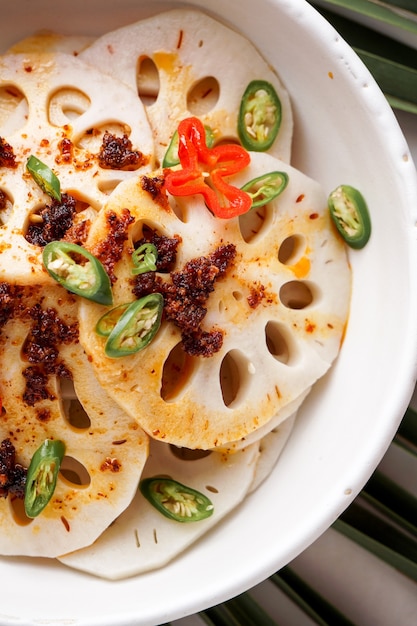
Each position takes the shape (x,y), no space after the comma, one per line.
(393,64)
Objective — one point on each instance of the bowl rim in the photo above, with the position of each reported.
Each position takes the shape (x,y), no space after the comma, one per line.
(209,591)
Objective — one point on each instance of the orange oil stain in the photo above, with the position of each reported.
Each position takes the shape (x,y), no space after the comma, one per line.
(301,269)
(165,61)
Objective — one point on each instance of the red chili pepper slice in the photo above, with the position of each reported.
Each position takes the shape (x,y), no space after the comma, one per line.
(204,170)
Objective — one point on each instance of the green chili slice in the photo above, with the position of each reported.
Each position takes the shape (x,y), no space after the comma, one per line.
(108,321)
(42,476)
(171,157)
(44,177)
(144,259)
(265,188)
(136,327)
(350,215)
(175,500)
(77,270)
(260,116)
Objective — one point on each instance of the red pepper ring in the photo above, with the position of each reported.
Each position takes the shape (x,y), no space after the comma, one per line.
(219,162)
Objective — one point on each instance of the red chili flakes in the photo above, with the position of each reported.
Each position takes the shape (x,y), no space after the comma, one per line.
(300,197)
(66,523)
(7,157)
(186,293)
(111,464)
(309,326)
(48,331)
(12,474)
(155,187)
(144,284)
(116,153)
(44,415)
(203,343)
(78,233)
(180,36)
(109,250)
(66,150)
(257,294)
(10,301)
(36,388)
(41,349)
(313,216)
(57,219)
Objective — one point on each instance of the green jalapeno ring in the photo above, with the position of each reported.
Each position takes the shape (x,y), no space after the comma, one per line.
(260,116)
(136,327)
(175,500)
(171,157)
(89,280)
(42,476)
(265,188)
(108,321)
(144,259)
(44,177)
(350,214)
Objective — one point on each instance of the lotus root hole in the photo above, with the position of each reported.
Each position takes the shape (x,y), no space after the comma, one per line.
(186,454)
(235,374)
(276,342)
(13,109)
(291,249)
(296,294)
(236,294)
(147,80)
(66,105)
(6,207)
(179,209)
(176,374)
(145,230)
(255,223)
(76,415)
(17,509)
(33,220)
(106,185)
(203,96)
(54,215)
(92,139)
(74,472)
(74,412)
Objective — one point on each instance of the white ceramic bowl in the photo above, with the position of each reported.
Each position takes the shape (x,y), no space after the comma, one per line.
(344,131)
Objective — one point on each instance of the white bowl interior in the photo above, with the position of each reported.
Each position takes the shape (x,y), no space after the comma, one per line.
(344,132)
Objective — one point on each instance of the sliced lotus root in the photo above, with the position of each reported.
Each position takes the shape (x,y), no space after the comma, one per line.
(278,309)
(49,391)
(142,539)
(181,62)
(89,128)
(285,413)
(270,449)
(48,41)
